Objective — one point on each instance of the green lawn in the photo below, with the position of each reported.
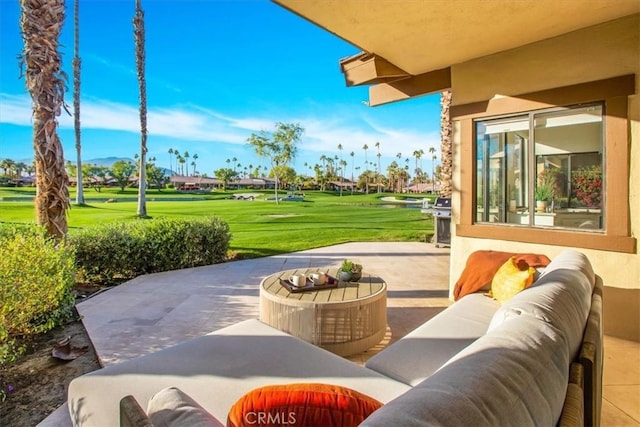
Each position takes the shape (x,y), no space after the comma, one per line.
(258,227)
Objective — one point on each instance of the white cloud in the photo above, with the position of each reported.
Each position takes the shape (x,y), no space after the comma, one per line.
(15,109)
(184,123)
(324,135)
(324,130)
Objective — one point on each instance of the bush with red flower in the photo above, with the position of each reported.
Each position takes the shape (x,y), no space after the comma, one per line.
(586,184)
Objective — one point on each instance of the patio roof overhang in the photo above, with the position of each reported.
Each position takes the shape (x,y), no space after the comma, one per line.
(409,47)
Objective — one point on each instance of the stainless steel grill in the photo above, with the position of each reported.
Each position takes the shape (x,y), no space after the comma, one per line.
(442,217)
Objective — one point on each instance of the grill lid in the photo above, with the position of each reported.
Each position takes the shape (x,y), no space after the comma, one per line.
(442,203)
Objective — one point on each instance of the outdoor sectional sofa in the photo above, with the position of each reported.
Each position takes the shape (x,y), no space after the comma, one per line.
(533,361)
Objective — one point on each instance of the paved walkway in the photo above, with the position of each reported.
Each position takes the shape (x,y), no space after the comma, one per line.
(158,310)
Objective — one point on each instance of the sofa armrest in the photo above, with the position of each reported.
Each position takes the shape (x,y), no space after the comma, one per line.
(591,358)
(131,414)
(573,409)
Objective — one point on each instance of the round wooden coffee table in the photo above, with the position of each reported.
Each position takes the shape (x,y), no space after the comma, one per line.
(345,319)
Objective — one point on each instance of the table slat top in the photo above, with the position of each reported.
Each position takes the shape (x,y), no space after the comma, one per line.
(345,291)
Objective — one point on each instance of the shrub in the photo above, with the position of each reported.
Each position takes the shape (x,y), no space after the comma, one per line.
(115,252)
(36,283)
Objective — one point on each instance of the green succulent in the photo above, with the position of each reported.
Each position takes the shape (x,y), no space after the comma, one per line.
(348,265)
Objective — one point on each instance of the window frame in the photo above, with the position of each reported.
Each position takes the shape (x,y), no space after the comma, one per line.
(530,157)
(613,94)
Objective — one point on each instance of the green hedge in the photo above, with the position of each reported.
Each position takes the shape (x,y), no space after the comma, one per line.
(115,252)
(38,274)
(36,283)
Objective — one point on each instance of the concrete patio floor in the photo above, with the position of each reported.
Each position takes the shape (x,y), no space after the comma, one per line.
(158,310)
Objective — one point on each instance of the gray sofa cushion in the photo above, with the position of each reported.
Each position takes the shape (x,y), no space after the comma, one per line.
(216,370)
(570,259)
(425,349)
(560,297)
(515,375)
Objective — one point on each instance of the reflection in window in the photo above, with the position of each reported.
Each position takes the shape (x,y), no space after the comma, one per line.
(559,176)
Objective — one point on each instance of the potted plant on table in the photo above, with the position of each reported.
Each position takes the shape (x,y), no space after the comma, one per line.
(349,271)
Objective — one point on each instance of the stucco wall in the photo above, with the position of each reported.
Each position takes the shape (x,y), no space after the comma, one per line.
(604,51)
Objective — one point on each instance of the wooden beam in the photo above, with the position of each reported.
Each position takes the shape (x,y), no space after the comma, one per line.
(367,68)
(422,84)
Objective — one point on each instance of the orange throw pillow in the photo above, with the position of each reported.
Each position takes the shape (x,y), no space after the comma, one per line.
(482,265)
(303,404)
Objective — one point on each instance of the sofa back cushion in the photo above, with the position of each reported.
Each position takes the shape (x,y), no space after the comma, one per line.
(560,297)
(570,259)
(515,375)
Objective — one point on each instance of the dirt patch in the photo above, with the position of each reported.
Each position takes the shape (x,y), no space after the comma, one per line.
(282,215)
(36,384)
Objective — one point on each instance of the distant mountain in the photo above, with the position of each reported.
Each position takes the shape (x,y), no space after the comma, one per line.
(107,161)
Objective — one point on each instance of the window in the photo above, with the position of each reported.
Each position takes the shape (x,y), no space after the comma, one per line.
(541,169)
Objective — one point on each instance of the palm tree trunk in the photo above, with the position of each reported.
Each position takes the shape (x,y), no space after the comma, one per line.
(139,35)
(446,129)
(41,22)
(76,102)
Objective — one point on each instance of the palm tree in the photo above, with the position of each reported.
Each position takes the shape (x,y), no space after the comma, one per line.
(365,147)
(406,172)
(418,155)
(432,151)
(193,163)
(176,153)
(41,23)
(392,172)
(352,154)
(181,160)
(399,156)
(6,165)
(171,160)
(341,170)
(18,168)
(378,147)
(76,101)
(139,35)
(186,160)
(446,149)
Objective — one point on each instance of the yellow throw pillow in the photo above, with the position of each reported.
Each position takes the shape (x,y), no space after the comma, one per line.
(509,280)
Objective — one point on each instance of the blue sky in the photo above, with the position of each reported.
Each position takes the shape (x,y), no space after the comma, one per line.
(217,71)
